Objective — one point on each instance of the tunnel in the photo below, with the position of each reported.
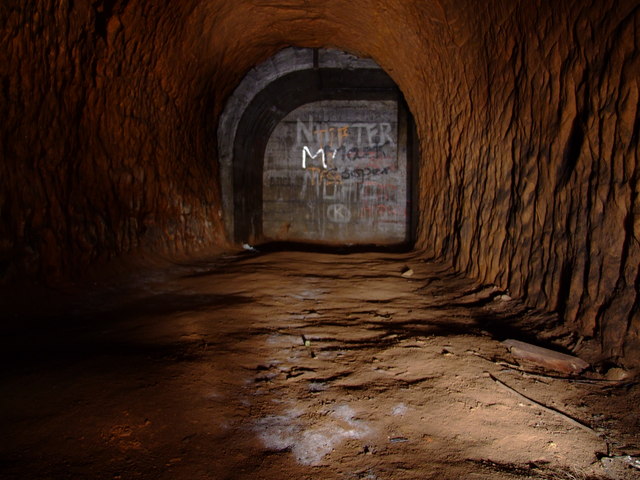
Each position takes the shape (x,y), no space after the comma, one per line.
(298,239)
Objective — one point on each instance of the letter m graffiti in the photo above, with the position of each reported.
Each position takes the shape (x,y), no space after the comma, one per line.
(306,152)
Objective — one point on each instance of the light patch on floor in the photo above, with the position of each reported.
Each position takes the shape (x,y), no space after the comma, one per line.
(399,410)
(310,445)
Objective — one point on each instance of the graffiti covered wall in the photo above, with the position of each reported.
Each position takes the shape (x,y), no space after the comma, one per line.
(332,173)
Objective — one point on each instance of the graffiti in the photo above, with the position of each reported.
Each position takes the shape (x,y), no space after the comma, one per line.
(332,177)
(348,173)
(381,132)
(306,151)
(316,176)
(307,131)
(352,184)
(311,179)
(338,213)
(366,153)
(320,184)
(331,191)
(332,184)
(379,192)
(373,156)
(335,135)
(381,211)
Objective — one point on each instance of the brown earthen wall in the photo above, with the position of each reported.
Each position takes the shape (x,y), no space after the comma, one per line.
(530,174)
(103,140)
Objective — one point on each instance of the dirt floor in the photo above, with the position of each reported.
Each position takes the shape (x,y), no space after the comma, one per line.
(298,365)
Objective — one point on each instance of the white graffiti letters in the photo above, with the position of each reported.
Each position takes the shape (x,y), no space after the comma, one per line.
(337,135)
(304,130)
(338,213)
(306,151)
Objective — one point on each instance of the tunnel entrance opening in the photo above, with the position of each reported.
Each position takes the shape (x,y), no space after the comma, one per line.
(334,173)
(318,147)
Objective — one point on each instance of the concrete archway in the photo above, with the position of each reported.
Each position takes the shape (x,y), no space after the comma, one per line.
(292,78)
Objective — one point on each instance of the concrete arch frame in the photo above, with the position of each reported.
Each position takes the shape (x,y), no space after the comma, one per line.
(291,78)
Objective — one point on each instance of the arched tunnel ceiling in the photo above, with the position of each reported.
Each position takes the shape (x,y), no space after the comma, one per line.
(527,115)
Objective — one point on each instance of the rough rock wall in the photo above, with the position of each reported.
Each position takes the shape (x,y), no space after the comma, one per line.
(103,140)
(537,187)
(527,113)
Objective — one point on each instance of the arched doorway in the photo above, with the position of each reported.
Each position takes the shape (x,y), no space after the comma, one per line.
(322,152)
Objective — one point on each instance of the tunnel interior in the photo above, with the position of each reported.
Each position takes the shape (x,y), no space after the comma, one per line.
(148,147)
(121,120)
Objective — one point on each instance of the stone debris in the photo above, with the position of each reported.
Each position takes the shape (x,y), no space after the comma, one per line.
(249,248)
(546,358)
(616,373)
(407,272)
(503,298)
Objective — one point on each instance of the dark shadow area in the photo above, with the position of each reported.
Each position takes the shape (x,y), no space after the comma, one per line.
(531,326)
(335,249)
(111,326)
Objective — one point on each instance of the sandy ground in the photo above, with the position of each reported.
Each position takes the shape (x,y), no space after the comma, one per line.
(304,366)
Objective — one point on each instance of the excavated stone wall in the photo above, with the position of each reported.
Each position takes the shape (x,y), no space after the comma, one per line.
(527,112)
(539,171)
(103,138)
